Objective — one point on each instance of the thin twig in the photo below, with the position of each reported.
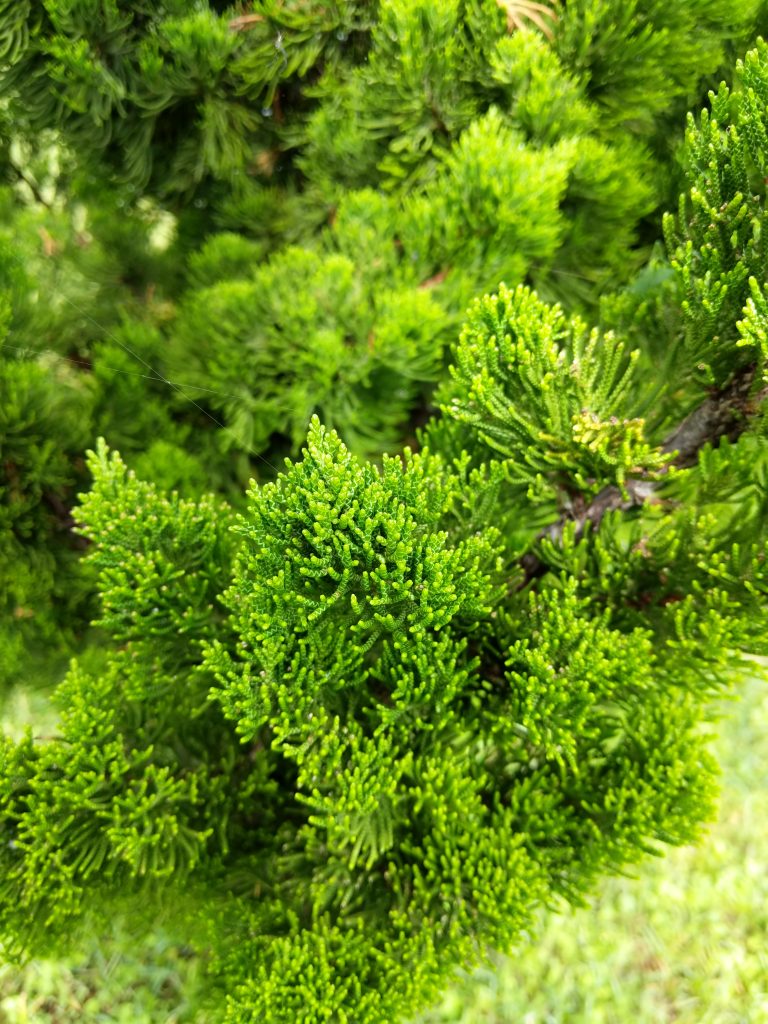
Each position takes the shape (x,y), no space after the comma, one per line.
(724,413)
(520,11)
(245,22)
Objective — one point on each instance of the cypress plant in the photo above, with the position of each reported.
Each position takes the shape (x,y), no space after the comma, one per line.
(335,184)
(353,732)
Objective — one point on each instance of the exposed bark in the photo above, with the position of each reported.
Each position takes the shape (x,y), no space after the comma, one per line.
(724,413)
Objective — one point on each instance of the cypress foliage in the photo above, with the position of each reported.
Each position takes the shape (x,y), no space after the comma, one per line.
(349,729)
(387,162)
(363,727)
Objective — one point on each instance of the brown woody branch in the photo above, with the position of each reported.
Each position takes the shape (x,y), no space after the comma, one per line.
(245,22)
(724,413)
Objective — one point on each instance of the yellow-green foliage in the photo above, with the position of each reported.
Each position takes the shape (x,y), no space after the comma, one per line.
(353,733)
(230,219)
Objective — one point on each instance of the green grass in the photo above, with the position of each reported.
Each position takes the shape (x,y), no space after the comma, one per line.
(149,986)
(686,941)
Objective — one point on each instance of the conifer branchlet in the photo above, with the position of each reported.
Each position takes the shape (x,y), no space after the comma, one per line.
(351,732)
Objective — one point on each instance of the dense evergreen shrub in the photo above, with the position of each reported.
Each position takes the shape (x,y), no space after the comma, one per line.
(285,208)
(353,734)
